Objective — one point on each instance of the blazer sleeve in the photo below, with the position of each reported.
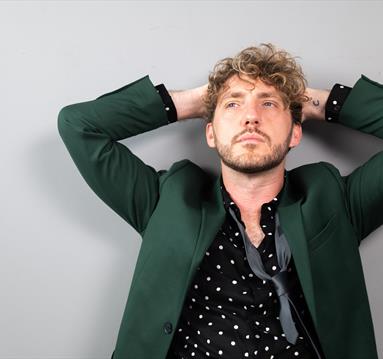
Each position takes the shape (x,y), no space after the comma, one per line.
(91,131)
(363,111)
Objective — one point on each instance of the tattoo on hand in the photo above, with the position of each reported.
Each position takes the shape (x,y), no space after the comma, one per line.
(316,103)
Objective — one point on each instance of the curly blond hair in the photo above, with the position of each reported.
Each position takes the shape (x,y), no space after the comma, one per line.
(273,66)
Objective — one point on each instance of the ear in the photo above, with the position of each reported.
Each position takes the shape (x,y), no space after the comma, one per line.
(296,135)
(210,135)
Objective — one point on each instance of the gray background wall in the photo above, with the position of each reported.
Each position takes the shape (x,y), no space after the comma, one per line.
(66,260)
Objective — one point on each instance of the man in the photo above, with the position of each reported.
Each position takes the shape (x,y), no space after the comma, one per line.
(259,262)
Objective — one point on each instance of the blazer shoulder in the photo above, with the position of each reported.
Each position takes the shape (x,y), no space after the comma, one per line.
(316,172)
(321,178)
(185,172)
(185,179)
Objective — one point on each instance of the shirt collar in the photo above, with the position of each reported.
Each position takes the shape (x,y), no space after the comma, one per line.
(269,206)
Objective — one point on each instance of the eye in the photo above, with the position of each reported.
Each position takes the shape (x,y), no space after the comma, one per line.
(231,105)
(269,104)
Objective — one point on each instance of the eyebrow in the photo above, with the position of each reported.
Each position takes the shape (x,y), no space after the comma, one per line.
(269,95)
(235,94)
(241,94)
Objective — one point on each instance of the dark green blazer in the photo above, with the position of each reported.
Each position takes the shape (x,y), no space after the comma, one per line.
(178,212)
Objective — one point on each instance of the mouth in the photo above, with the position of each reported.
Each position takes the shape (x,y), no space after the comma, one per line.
(252,137)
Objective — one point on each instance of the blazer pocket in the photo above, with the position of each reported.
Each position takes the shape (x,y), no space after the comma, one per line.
(324,235)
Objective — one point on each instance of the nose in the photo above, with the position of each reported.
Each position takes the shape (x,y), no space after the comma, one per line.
(252,116)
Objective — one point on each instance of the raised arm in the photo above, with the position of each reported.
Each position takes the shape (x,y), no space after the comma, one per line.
(363,111)
(91,131)
(360,108)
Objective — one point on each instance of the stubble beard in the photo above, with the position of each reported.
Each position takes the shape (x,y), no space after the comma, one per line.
(251,162)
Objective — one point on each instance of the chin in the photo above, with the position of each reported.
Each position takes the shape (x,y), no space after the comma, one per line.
(252,167)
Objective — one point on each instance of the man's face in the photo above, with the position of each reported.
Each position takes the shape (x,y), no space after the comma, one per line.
(252,129)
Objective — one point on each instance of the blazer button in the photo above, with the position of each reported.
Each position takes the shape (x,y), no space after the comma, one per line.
(168,328)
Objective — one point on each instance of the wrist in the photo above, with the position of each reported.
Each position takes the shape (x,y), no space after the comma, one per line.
(189,103)
(314,109)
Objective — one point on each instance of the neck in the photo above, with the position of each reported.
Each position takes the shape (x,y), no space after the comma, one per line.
(250,191)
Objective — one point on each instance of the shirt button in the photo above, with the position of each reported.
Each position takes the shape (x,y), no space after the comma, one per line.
(168,328)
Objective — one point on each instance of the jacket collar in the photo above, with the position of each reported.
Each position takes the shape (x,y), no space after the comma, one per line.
(290,215)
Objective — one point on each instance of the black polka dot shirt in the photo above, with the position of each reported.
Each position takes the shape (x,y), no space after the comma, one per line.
(229,312)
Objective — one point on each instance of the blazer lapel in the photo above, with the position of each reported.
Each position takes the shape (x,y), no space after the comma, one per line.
(290,216)
(212,216)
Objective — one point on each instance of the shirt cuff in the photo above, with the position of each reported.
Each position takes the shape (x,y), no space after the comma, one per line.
(336,99)
(168,103)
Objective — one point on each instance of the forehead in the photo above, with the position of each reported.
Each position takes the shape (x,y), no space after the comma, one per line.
(247,85)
